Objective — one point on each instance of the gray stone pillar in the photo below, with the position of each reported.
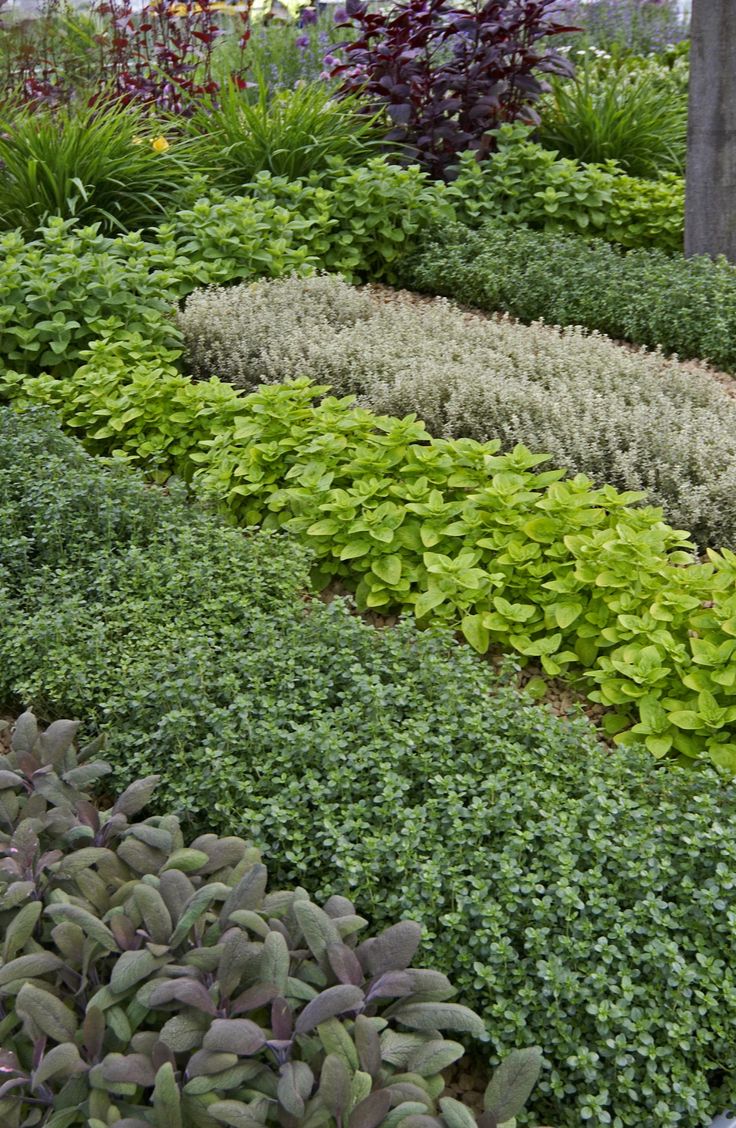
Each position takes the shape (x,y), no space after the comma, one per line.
(710,210)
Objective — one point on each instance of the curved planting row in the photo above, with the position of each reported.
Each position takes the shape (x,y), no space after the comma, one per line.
(557,571)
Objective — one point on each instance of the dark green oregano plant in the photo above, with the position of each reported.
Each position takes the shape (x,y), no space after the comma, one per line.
(148,983)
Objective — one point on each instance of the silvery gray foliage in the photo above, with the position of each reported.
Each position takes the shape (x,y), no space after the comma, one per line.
(633,419)
(147,983)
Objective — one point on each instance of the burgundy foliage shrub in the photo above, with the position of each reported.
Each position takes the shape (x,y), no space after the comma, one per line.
(448,76)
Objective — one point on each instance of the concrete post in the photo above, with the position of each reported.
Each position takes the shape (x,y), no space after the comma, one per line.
(710,209)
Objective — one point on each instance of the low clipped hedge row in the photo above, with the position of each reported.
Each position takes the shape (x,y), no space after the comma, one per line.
(555,570)
(684,306)
(576,897)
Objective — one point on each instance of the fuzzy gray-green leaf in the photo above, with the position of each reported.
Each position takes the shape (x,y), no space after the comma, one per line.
(21,928)
(328,1004)
(46,1012)
(130,968)
(90,925)
(275,961)
(319,930)
(236,1114)
(135,797)
(393,950)
(371,1111)
(63,1059)
(29,967)
(456,1114)
(334,1087)
(441,1016)
(511,1085)
(234,1035)
(294,1086)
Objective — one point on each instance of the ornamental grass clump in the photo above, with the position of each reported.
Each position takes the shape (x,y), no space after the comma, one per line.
(147,982)
(109,165)
(292,133)
(631,116)
(631,419)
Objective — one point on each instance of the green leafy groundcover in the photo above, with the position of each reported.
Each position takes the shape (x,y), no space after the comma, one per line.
(551,568)
(576,897)
(526,183)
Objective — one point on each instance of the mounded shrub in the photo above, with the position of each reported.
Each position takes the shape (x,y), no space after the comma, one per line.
(526,183)
(635,421)
(685,306)
(130,961)
(71,284)
(576,896)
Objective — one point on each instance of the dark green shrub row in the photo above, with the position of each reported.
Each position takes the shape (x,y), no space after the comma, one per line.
(130,960)
(578,898)
(685,306)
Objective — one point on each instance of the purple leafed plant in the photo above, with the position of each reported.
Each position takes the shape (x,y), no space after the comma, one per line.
(163,56)
(446,76)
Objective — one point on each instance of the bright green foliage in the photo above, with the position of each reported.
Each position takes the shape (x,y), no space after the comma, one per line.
(685,306)
(576,897)
(173,946)
(129,400)
(531,184)
(379,212)
(551,568)
(647,213)
(72,284)
(92,165)
(237,237)
(362,219)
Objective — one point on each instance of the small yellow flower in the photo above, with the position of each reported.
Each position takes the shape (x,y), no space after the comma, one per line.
(137,141)
(160,145)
